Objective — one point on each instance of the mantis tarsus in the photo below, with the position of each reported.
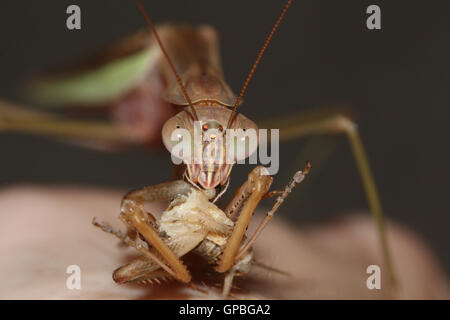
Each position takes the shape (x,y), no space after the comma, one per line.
(178,68)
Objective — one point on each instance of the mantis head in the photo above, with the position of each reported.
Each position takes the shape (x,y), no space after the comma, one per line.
(205,144)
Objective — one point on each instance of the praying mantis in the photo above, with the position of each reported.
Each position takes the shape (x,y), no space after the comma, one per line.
(177,68)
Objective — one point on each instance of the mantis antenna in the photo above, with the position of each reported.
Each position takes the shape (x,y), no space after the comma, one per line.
(172,66)
(255,64)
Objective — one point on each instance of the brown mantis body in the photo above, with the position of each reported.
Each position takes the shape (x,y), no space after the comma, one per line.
(185,75)
(192,222)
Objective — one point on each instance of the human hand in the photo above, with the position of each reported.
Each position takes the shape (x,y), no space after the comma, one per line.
(44,230)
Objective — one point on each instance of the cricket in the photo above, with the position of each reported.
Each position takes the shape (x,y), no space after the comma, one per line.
(177,69)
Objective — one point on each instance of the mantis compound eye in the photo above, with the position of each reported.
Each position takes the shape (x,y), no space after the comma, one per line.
(177,136)
(242,138)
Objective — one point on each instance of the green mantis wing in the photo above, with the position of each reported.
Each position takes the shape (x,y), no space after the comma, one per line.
(101,79)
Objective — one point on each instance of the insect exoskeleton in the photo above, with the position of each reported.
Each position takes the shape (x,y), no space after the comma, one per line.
(207,147)
(193,222)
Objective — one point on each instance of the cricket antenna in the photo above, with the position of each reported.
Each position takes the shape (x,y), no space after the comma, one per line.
(255,64)
(172,66)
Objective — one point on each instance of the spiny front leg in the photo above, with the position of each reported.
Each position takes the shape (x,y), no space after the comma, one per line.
(141,270)
(257,185)
(135,216)
(130,271)
(298,178)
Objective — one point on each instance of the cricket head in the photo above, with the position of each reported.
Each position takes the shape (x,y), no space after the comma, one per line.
(205,144)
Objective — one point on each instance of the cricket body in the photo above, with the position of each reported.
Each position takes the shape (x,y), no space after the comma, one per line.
(193,222)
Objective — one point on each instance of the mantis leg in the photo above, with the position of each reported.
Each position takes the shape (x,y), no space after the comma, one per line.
(135,216)
(251,193)
(253,190)
(339,124)
(145,268)
(15,118)
(298,178)
(141,270)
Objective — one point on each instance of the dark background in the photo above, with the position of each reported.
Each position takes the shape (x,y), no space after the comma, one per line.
(396,79)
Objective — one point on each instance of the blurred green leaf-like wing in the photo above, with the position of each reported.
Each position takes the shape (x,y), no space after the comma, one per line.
(101,79)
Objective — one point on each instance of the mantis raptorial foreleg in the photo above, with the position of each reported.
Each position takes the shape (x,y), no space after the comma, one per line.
(255,187)
(143,268)
(323,123)
(298,178)
(245,201)
(134,215)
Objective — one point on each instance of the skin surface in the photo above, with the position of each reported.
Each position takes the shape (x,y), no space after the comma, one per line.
(43,230)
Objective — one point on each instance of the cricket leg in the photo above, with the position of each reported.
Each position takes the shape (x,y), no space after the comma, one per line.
(323,123)
(298,178)
(134,215)
(255,187)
